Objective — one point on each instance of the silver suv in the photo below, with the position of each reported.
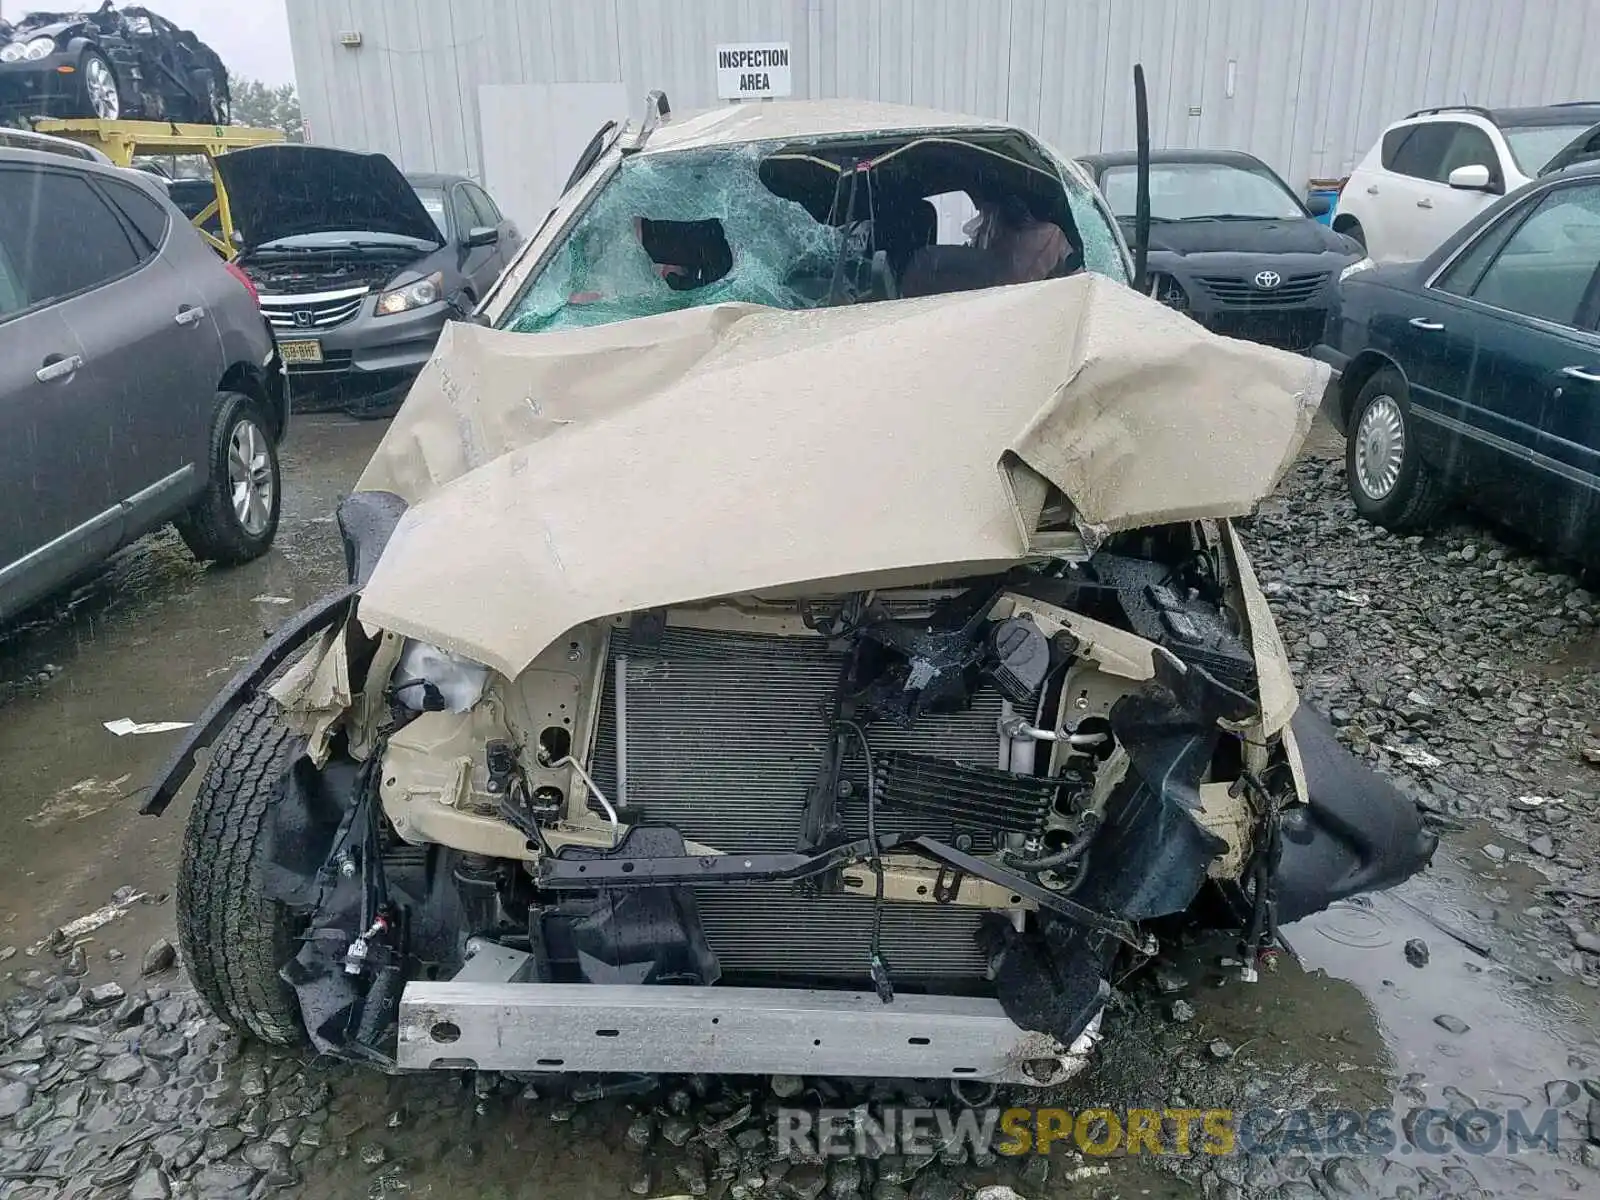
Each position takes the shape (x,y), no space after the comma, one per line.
(139,383)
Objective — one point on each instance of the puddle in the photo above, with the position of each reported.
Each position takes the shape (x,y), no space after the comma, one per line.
(1526,1026)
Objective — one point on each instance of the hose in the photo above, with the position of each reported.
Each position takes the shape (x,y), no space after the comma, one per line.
(879,968)
(1061,858)
(611,813)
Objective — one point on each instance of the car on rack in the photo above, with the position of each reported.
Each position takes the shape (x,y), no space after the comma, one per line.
(1476,373)
(358,266)
(110,64)
(1437,168)
(1230,244)
(139,383)
(779,638)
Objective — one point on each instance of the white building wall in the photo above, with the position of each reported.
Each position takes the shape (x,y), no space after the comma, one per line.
(1313,80)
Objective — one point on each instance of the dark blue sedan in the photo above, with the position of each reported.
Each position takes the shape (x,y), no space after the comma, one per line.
(1476,372)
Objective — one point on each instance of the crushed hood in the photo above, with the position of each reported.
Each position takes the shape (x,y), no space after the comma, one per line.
(283,191)
(563,477)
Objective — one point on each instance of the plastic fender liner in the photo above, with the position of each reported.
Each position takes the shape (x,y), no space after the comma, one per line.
(1150,855)
(1357,832)
(367,520)
(241,689)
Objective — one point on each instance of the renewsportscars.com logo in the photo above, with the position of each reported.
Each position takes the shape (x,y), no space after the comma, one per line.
(854,1132)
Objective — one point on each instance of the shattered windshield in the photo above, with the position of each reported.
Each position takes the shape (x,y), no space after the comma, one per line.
(674,231)
(681,230)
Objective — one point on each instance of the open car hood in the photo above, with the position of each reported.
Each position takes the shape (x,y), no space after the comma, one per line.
(564,477)
(285,190)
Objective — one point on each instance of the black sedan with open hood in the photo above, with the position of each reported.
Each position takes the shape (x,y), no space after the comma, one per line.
(359,266)
(1230,244)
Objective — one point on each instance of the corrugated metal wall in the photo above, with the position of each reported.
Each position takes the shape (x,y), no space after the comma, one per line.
(1313,80)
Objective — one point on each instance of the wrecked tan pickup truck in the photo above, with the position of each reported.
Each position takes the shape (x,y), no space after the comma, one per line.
(749,667)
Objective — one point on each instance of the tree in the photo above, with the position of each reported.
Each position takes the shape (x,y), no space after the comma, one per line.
(265,107)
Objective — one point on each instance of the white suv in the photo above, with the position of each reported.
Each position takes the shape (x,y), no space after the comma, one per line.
(1431,172)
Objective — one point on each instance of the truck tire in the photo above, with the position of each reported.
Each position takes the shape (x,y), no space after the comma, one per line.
(236,517)
(234,937)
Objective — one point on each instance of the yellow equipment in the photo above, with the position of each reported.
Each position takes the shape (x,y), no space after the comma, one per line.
(121,140)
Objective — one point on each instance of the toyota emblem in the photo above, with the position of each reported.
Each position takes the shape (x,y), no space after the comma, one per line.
(1267,280)
(302,317)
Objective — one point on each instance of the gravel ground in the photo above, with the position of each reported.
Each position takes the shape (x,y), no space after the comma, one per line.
(1464,668)
(1461,666)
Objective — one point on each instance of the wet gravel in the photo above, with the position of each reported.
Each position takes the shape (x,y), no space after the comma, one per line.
(1467,669)
(1463,667)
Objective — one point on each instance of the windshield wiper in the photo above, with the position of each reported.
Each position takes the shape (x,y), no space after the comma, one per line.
(1233,217)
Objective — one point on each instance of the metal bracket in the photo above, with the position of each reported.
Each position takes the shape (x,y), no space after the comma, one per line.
(946,885)
(1021,885)
(619,870)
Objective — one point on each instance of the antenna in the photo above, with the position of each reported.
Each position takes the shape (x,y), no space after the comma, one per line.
(1141,202)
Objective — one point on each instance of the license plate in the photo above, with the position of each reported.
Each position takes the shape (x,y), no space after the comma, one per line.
(302,350)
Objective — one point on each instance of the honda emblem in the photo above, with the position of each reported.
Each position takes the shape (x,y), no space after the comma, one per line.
(302,317)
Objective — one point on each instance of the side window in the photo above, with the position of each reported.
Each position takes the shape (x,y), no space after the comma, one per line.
(1463,275)
(462,212)
(488,214)
(74,241)
(1546,267)
(1392,143)
(1423,149)
(144,213)
(1470,146)
(12,297)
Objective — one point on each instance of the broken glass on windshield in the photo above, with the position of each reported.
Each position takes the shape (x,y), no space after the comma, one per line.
(678,231)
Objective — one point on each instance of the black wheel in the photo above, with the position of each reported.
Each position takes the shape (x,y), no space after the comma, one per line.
(102,99)
(1388,479)
(1352,229)
(236,518)
(234,937)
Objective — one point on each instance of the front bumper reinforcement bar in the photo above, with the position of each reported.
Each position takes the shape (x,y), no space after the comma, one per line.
(580,1027)
(619,870)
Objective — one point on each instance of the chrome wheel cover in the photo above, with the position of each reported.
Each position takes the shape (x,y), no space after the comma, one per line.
(1380,447)
(102,88)
(250,482)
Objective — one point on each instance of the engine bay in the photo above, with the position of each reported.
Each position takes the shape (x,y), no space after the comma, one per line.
(986,786)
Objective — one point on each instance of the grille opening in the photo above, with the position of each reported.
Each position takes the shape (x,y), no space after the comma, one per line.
(918,1041)
(445,1032)
(606,1033)
(551,1062)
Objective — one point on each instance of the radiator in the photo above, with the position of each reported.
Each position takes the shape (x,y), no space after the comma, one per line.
(726,732)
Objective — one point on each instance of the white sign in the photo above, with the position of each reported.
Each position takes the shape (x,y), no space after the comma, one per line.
(751,70)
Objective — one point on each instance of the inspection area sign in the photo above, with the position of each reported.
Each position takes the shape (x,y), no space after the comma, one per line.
(751,70)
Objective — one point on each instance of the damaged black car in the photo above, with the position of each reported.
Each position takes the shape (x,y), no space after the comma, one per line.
(110,64)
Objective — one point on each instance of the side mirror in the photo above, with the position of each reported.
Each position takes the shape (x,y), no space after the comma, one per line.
(1319,205)
(464,308)
(481,235)
(1474,177)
